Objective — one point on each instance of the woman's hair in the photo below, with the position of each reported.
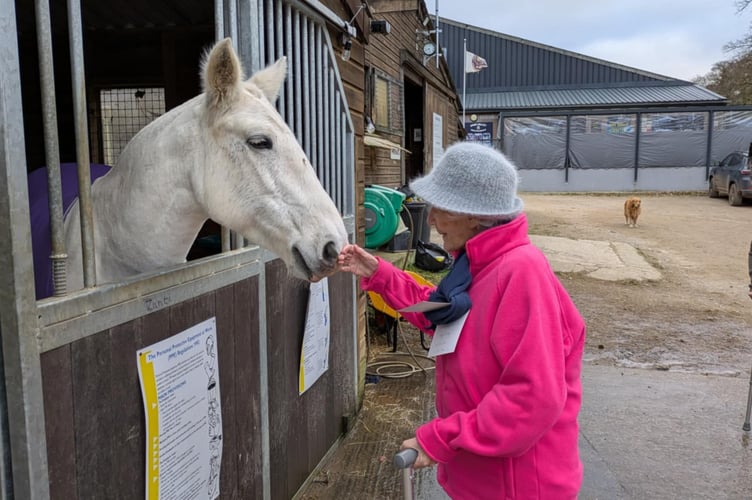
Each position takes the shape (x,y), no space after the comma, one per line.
(485,221)
(489,222)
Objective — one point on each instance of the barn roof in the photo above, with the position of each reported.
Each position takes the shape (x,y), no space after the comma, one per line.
(524,75)
(613,96)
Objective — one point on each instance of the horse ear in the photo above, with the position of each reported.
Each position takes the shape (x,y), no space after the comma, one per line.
(270,79)
(222,72)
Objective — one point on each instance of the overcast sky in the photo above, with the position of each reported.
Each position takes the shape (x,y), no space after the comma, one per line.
(677,38)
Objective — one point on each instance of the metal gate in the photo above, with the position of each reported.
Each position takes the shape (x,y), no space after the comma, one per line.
(74,421)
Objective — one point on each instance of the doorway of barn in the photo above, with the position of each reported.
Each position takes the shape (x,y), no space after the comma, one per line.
(414,130)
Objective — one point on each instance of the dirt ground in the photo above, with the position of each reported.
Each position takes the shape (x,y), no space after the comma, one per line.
(696,318)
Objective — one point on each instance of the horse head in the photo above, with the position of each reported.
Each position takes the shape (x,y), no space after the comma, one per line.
(257,179)
(225,155)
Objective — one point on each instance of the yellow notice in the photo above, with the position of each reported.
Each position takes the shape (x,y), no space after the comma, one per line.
(151,409)
(180,388)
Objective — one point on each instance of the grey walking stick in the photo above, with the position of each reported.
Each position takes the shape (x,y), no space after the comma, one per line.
(404,460)
(749,405)
(745,427)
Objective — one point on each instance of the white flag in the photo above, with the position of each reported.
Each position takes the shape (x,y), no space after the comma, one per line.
(474,63)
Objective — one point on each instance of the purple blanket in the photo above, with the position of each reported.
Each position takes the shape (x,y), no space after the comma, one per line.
(41,240)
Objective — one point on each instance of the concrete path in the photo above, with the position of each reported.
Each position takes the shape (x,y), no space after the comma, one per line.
(644,434)
(605,260)
(663,435)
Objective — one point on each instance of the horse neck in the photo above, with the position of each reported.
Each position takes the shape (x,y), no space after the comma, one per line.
(146,209)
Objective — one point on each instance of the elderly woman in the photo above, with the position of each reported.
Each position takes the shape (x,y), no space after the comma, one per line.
(509,394)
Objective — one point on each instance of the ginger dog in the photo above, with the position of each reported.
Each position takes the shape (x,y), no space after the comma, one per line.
(632,211)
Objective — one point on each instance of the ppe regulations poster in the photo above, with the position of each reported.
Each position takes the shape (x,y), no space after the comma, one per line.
(180,387)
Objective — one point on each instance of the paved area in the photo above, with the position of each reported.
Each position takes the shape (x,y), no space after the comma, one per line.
(647,433)
(664,435)
(644,434)
(605,260)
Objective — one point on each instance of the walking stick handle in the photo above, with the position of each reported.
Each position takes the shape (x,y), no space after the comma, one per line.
(405,458)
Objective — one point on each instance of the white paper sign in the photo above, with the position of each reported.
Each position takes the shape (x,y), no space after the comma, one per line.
(438,138)
(445,337)
(314,355)
(180,387)
(424,306)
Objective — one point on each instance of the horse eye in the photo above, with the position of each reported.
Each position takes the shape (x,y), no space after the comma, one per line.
(259,142)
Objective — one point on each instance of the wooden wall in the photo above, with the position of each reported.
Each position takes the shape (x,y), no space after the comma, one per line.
(303,428)
(382,54)
(436,102)
(399,55)
(94,410)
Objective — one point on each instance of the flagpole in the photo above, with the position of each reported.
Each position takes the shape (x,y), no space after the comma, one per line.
(464,77)
(438,32)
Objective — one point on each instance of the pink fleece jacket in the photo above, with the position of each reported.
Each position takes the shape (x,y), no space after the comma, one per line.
(508,397)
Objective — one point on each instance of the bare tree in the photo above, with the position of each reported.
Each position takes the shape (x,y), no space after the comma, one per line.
(731,79)
(744,43)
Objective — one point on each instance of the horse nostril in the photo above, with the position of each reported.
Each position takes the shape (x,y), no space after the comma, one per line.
(330,251)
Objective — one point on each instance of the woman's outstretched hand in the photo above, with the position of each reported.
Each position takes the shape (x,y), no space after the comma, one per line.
(354,259)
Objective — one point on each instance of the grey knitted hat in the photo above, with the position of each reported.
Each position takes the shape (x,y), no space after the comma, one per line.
(472,179)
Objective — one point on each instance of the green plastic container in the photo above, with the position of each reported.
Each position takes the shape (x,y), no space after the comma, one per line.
(382,208)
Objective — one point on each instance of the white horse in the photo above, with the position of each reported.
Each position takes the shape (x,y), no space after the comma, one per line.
(225,155)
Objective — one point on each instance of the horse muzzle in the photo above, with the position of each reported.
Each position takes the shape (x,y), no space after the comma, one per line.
(316,268)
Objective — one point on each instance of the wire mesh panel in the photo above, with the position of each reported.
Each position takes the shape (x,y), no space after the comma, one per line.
(123,112)
(732,131)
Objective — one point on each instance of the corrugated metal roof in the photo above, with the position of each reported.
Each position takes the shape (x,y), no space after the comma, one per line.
(523,74)
(591,97)
(516,62)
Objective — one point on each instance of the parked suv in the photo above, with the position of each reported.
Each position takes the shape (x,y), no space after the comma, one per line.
(732,178)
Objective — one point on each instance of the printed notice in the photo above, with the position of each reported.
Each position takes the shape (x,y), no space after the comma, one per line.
(314,355)
(438,138)
(445,337)
(180,386)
